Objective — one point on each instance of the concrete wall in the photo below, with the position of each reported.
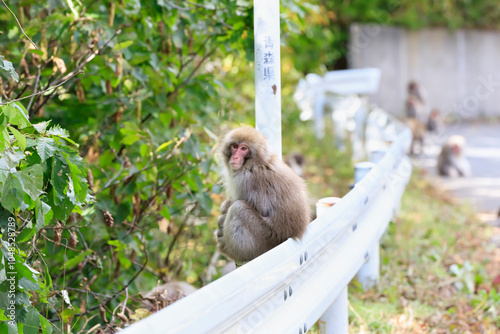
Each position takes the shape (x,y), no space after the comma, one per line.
(459,71)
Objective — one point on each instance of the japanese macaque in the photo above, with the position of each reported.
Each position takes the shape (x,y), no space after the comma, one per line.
(266,201)
(418,134)
(415,103)
(451,160)
(435,122)
(296,162)
(166,294)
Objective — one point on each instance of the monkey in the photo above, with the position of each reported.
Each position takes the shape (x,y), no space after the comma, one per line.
(296,162)
(451,161)
(266,201)
(415,103)
(166,294)
(434,122)
(418,134)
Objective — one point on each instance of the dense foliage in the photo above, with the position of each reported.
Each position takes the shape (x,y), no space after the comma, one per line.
(145,88)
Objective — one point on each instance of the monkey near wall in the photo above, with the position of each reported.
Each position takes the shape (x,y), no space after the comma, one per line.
(266,201)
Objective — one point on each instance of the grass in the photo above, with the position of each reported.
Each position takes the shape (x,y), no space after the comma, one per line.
(438,266)
(437,270)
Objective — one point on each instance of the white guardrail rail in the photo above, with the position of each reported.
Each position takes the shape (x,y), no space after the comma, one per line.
(289,288)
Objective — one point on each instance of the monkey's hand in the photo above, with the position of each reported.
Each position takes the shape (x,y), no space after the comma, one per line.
(219,235)
(225,206)
(222,218)
(220,224)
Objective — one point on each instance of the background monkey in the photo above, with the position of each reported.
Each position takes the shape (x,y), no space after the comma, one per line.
(166,294)
(266,201)
(435,121)
(451,160)
(296,162)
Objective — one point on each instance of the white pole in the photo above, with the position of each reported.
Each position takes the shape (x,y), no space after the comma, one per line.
(268,71)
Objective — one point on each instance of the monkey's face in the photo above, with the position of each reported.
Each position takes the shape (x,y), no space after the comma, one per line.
(238,155)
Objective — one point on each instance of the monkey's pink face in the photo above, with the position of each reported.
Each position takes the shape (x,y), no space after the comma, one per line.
(238,154)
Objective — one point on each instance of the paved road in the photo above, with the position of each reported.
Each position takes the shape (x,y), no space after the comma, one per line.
(482,188)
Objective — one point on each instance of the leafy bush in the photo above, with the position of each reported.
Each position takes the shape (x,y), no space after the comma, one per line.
(42,182)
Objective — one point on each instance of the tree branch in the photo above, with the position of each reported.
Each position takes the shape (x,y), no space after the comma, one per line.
(19,24)
(43,91)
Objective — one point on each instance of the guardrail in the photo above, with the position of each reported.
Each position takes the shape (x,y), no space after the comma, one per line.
(289,288)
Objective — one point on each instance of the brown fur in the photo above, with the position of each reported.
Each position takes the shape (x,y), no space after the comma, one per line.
(266,201)
(166,294)
(418,134)
(450,163)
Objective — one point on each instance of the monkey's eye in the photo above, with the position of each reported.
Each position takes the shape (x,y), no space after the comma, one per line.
(244,148)
(235,146)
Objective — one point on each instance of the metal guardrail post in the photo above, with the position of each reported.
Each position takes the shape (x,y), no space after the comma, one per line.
(368,274)
(335,320)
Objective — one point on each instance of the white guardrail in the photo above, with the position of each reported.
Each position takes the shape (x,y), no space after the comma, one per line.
(291,287)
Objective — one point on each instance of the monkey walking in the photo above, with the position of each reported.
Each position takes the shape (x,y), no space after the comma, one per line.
(266,201)
(452,161)
(418,134)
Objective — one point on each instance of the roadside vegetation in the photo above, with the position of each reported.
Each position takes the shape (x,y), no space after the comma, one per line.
(439,270)
(110,113)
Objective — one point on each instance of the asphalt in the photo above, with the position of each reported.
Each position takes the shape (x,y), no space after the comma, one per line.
(482,187)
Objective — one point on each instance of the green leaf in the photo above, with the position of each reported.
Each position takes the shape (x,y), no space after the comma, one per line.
(12,194)
(26,233)
(56,130)
(67,315)
(164,145)
(41,209)
(35,51)
(3,317)
(9,68)
(13,158)
(165,212)
(118,244)
(77,187)
(17,115)
(41,127)
(122,45)
(46,325)
(23,270)
(21,140)
(27,284)
(144,150)
(59,179)
(62,209)
(77,259)
(125,262)
(4,139)
(178,38)
(31,179)
(46,147)
(130,139)
(4,169)
(32,321)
